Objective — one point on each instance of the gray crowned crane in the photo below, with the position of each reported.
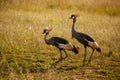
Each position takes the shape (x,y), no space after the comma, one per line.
(84,39)
(60,43)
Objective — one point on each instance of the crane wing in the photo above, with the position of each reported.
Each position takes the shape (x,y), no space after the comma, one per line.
(61,43)
(86,37)
(56,41)
(68,46)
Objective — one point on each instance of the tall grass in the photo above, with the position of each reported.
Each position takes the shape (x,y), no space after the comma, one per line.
(108,7)
(24,54)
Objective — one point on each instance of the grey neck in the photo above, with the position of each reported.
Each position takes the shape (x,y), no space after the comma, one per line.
(45,38)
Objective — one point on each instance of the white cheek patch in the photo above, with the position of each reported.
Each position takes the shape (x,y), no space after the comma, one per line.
(47,32)
(73,17)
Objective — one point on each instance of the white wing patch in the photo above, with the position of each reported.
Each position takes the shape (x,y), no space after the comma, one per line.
(93,44)
(68,46)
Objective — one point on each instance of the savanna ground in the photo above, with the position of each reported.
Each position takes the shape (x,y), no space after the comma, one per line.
(25,56)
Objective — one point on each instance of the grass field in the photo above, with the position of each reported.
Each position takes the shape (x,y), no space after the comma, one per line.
(25,56)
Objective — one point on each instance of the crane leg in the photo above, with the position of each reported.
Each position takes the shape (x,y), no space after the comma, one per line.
(84,57)
(65,54)
(59,59)
(61,56)
(90,56)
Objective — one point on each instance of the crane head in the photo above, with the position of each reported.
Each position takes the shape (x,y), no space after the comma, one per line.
(47,30)
(73,16)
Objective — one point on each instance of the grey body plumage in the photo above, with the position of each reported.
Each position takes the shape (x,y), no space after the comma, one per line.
(84,39)
(60,43)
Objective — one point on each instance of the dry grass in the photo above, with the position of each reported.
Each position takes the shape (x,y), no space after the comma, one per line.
(24,54)
(108,7)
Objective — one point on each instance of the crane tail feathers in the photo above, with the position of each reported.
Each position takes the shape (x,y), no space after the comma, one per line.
(75,49)
(98,49)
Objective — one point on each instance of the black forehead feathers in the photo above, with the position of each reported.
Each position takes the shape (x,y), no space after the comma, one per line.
(72,15)
(45,30)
